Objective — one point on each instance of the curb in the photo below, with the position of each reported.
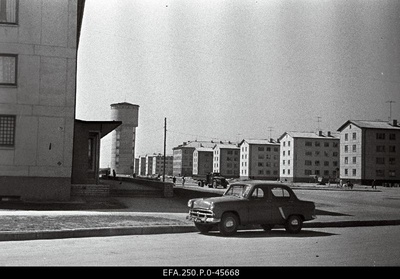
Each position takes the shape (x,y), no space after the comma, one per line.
(94,232)
(120,231)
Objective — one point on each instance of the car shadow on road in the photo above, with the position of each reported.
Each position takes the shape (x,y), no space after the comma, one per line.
(329,213)
(305,233)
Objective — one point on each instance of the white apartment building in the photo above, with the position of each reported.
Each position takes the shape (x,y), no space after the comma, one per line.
(307,156)
(202,161)
(370,150)
(259,159)
(38,57)
(226,160)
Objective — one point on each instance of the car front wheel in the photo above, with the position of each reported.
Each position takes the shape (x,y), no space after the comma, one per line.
(294,224)
(229,224)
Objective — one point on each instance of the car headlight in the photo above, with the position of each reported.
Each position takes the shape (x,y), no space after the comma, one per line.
(190,203)
(212,206)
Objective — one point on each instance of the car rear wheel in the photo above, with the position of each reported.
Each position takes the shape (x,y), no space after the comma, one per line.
(229,224)
(267,227)
(203,228)
(294,224)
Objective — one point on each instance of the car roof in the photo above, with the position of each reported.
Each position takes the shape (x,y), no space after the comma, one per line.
(260,182)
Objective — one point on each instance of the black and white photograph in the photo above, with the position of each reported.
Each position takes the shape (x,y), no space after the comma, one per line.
(200,138)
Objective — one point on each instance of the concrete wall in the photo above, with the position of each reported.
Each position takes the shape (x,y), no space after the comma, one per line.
(44,98)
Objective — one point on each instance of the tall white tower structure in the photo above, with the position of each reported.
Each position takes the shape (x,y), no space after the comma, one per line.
(123,138)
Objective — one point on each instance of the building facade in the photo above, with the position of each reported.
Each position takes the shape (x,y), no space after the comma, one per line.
(158,165)
(309,156)
(38,59)
(183,156)
(226,160)
(370,150)
(259,159)
(124,137)
(202,161)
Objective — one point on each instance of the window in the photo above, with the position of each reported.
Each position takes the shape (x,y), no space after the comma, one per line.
(392,161)
(392,136)
(392,148)
(258,193)
(346,172)
(326,163)
(308,163)
(8,11)
(260,148)
(354,172)
(380,173)
(354,160)
(335,144)
(308,153)
(280,192)
(346,137)
(354,136)
(8,69)
(392,173)
(308,143)
(307,172)
(380,136)
(317,143)
(346,148)
(7,130)
(380,148)
(346,160)
(326,144)
(354,148)
(380,160)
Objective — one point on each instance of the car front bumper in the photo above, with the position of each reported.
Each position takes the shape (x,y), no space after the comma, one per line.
(202,216)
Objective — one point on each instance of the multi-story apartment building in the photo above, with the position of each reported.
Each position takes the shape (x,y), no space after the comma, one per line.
(158,164)
(259,159)
(305,156)
(183,156)
(370,150)
(202,161)
(38,59)
(226,159)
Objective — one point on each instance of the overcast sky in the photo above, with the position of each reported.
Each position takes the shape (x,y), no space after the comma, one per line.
(238,69)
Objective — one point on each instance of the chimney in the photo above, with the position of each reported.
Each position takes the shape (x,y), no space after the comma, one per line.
(395,122)
(329,134)
(320,133)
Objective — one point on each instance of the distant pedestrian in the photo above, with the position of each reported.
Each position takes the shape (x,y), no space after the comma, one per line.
(183,181)
(374,184)
(174,179)
(114,174)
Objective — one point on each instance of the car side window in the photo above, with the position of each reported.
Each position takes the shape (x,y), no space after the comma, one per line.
(258,193)
(280,193)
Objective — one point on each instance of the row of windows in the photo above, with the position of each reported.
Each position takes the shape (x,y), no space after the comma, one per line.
(262,172)
(318,144)
(318,163)
(378,148)
(378,173)
(318,153)
(379,136)
(315,172)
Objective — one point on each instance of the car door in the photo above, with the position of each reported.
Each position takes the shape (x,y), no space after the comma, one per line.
(280,202)
(259,206)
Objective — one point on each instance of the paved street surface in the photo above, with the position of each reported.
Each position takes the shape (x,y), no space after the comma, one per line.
(356,246)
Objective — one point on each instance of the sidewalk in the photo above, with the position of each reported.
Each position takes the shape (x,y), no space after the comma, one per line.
(93,217)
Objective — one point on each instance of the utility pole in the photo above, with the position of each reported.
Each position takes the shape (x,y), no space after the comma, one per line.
(165,145)
(390,109)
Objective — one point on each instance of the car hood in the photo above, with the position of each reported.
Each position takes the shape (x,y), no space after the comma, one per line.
(206,202)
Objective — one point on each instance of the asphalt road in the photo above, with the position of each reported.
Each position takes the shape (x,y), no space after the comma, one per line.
(357,246)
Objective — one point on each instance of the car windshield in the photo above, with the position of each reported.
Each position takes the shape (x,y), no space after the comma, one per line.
(238,191)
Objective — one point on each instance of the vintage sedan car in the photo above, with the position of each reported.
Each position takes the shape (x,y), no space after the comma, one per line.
(251,203)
